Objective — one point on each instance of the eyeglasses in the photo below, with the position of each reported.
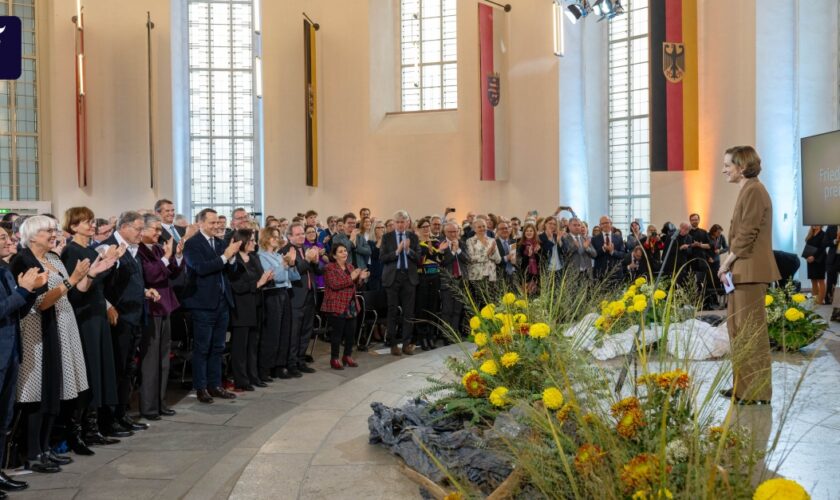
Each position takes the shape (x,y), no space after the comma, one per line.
(49,231)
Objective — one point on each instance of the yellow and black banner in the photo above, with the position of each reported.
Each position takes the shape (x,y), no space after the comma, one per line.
(311,106)
(674,116)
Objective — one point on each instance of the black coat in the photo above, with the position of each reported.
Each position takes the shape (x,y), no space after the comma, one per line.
(247,298)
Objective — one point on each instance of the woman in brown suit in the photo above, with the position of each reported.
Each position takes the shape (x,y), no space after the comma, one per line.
(753,267)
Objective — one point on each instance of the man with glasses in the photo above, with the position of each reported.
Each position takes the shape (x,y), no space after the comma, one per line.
(455,262)
(125,293)
(303,297)
(609,251)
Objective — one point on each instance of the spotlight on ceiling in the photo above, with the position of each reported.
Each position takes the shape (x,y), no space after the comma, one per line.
(576,9)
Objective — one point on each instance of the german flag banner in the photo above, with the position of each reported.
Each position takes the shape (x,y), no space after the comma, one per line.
(674,120)
(493,64)
(311,104)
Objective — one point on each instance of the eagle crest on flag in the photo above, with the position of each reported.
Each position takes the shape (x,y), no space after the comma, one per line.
(494,92)
(673,61)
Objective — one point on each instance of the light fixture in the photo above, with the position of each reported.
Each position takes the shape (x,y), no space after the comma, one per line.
(559,38)
(258,76)
(575,11)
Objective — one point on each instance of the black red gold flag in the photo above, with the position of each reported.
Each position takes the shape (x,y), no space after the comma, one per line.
(674,124)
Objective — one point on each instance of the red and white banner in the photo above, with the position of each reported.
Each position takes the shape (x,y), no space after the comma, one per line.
(493,66)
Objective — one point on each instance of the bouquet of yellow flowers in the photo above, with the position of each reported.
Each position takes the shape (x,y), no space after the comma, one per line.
(791,320)
(639,301)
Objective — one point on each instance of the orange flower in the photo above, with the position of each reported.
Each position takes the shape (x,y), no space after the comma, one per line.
(588,457)
(630,422)
(480,353)
(674,378)
(626,404)
(564,411)
(524,328)
(502,339)
(474,384)
(641,472)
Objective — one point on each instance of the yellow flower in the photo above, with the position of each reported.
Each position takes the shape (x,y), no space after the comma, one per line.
(588,457)
(488,311)
(499,396)
(617,308)
(489,367)
(630,422)
(659,295)
(509,299)
(521,304)
(663,494)
(640,281)
(794,314)
(632,308)
(798,298)
(520,318)
(539,330)
(640,303)
(509,359)
(480,339)
(475,322)
(455,495)
(779,488)
(768,299)
(543,357)
(599,322)
(552,398)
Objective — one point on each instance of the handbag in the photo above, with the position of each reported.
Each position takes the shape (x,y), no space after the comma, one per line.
(810,251)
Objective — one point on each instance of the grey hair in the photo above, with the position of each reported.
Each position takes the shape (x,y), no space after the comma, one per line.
(150,219)
(127,218)
(452,223)
(401,215)
(573,219)
(32,225)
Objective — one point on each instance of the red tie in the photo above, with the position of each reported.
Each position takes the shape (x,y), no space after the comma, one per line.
(456,268)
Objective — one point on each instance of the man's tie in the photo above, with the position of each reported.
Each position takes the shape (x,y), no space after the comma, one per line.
(402,264)
(456,266)
(175,233)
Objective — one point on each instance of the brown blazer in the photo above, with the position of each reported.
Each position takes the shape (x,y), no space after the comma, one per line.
(751,235)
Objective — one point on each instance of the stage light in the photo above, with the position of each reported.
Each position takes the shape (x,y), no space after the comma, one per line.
(575,12)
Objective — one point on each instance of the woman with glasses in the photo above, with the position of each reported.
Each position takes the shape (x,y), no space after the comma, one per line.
(52,369)
(160,264)
(428,289)
(91,313)
(247,277)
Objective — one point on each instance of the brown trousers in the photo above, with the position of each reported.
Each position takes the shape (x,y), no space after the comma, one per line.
(749,342)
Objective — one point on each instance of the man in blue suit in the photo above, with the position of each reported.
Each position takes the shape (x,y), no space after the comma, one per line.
(609,252)
(208,296)
(15,301)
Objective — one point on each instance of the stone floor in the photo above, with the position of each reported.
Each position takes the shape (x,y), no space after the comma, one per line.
(198,453)
(307,438)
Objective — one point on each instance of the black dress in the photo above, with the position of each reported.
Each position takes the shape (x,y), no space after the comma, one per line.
(245,320)
(816,269)
(92,316)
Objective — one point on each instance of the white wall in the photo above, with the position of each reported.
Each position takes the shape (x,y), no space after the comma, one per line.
(116,84)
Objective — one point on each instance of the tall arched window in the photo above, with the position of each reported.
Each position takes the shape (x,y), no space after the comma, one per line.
(224,118)
(19,159)
(428,54)
(628,143)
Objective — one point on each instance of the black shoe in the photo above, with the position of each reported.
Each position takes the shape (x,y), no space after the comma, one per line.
(9,484)
(309,359)
(115,430)
(151,416)
(58,459)
(248,387)
(749,402)
(294,372)
(97,439)
(283,373)
(78,446)
(306,369)
(727,393)
(41,463)
(260,383)
(3,495)
(168,412)
(131,425)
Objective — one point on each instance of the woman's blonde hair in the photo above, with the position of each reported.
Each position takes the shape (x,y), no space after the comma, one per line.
(746,159)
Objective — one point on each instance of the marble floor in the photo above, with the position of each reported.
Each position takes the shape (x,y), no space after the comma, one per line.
(307,438)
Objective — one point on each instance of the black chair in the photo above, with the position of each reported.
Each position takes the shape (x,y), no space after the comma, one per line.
(373,301)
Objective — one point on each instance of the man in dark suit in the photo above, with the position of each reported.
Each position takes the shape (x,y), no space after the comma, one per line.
(703,258)
(125,293)
(400,255)
(165,209)
(609,251)
(579,249)
(208,297)
(303,299)
(15,301)
(455,262)
(506,269)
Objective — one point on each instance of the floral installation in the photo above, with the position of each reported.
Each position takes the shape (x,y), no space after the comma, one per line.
(791,320)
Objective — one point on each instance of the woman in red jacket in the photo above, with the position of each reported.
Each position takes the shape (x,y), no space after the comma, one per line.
(341,281)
